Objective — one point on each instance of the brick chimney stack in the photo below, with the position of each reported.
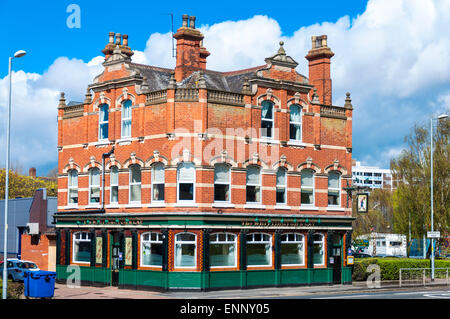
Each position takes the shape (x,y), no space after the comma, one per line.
(319,58)
(32,172)
(191,55)
(115,39)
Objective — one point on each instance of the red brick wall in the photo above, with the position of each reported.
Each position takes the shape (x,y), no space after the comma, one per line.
(36,250)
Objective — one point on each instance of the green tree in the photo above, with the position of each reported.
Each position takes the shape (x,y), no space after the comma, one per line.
(26,186)
(411,200)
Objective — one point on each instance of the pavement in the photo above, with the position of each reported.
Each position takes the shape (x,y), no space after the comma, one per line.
(62,291)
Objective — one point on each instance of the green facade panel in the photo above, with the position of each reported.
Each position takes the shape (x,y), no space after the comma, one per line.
(294,277)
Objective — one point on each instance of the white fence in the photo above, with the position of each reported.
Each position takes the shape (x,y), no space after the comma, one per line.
(422,276)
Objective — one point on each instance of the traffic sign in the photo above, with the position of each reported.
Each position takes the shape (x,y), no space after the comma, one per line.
(433,234)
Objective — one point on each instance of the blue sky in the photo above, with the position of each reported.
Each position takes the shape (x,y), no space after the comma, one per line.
(392,55)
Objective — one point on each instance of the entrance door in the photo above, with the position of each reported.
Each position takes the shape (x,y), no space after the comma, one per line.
(336,255)
(116,258)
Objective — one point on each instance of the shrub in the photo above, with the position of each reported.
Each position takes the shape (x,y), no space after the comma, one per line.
(15,289)
(389,267)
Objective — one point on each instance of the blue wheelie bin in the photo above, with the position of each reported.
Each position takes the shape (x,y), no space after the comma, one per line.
(39,284)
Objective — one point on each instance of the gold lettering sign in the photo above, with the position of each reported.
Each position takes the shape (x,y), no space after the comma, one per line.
(98,250)
(128,251)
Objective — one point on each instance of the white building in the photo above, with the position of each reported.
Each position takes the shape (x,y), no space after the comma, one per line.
(372,176)
(385,244)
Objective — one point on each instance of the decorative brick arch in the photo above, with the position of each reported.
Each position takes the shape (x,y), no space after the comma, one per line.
(156,158)
(309,165)
(255,160)
(283,163)
(186,157)
(92,163)
(70,166)
(336,167)
(296,100)
(112,162)
(102,99)
(270,97)
(223,158)
(125,96)
(133,160)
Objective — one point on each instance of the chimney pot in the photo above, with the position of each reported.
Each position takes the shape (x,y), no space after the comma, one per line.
(118,38)
(192,22)
(125,39)
(111,37)
(185,20)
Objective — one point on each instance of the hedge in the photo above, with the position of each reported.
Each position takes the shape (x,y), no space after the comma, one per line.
(389,267)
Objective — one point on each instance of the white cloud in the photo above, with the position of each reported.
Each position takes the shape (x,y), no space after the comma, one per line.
(394,58)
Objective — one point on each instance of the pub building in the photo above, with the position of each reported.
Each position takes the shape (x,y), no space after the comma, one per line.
(190,178)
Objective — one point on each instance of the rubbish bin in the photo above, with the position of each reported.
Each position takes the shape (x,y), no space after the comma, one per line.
(39,284)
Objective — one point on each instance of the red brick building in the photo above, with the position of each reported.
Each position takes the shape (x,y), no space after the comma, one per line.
(211,179)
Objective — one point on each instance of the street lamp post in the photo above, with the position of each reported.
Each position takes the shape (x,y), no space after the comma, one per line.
(440,117)
(18,54)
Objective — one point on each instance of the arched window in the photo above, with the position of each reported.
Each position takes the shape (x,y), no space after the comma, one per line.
(72,187)
(158,182)
(307,187)
(292,249)
(295,123)
(259,249)
(334,189)
(267,119)
(281,186)
(185,250)
(94,185)
(151,249)
(114,184)
(253,188)
(103,122)
(222,250)
(222,183)
(318,250)
(186,181)
(135,183)
(81,249)
(126,118)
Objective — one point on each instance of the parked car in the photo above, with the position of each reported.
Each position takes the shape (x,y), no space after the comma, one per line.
(361,255)
(16,268)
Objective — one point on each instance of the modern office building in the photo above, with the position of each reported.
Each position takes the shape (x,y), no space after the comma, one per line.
(372,177)
(190,178)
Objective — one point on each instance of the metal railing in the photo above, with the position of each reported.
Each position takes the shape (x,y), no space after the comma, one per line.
(422,276)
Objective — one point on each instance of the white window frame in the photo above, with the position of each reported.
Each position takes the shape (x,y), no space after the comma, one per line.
(91,186)
(74,240)
(265,137)
(218,242)
(69,186)
(295,241)
(125,119)
(176,241)
(101,122)
(154,182)
(302,187)
(186,201)
(130,183)
(284,186)
(159,240)
(221,183)
(257,185)
(322,241)
(335,189)
(262,241)
(111,185)
(296,123)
